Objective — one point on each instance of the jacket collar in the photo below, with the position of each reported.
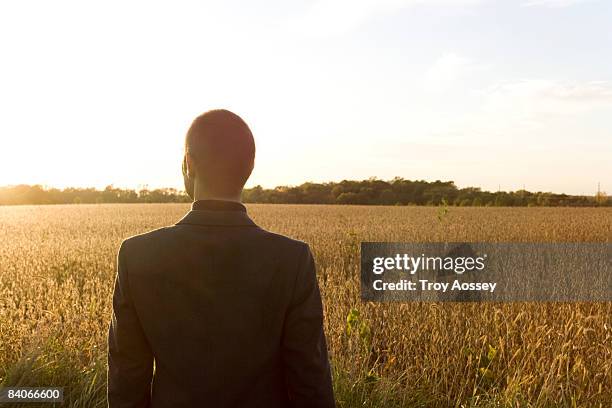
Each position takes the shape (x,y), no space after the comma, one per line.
(217,213)
(217,205)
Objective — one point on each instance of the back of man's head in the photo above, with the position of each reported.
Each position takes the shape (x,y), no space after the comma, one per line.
(222,150)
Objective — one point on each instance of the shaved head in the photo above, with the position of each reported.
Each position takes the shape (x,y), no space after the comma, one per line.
(221,151)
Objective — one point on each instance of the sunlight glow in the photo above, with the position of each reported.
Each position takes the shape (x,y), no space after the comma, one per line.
(98,94)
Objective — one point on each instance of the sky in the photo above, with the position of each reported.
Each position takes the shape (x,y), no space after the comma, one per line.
(494,94)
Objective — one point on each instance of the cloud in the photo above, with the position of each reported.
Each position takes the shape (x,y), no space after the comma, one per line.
(551,3)
(334,17)
(537,97)
(521,109)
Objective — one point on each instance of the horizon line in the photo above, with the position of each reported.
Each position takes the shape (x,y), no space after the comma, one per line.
(145,186)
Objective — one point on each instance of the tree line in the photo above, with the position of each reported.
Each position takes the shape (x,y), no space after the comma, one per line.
(373,191)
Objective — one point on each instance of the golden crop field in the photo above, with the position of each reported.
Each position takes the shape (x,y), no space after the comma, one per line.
(57,265)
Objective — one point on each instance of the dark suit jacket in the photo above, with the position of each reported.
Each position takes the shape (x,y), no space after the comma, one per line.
(216,312)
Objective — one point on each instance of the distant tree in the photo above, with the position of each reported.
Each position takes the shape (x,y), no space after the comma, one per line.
(398,191)
(347,198)
(465,202)
(601,198)
(387,197)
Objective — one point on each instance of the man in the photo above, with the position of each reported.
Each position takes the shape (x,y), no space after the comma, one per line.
(214,311)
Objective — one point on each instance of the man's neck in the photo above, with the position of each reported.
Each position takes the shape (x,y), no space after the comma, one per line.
(217,198)
(202,194)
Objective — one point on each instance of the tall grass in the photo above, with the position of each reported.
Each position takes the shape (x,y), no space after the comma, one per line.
(57,265)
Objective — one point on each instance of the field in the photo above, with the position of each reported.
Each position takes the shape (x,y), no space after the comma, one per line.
(57,266)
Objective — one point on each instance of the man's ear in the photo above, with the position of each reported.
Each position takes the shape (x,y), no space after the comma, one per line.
(188,165)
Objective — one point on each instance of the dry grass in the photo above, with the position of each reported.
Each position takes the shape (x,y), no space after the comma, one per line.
(57,269)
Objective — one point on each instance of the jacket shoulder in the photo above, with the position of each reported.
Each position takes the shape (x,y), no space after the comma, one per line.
(284,242)
(137,241)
